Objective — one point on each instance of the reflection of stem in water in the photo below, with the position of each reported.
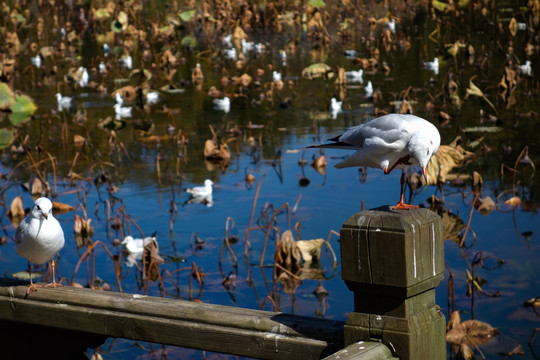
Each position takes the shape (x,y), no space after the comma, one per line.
(451,291)
(469,221)
(276,165)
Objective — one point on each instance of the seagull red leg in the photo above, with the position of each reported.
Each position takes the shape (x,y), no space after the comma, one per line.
(53,284)
(401,204)
(32,287)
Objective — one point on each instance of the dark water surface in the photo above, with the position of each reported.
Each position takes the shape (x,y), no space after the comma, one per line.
(296,116)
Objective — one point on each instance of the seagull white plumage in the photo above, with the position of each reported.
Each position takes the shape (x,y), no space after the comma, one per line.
(102,67)
(64,102)
(369,89)
(122,111)
(106,49)
(335,107)
(433,65)
(39,237)
(152,97)
(526,68)
(355,75)
(36,61)
(223,104)
(202,190)
(351,53)
(135,247)
(84,77)
(247,46)
(118,98)
(283,57)
(391,25)
(230,53)
(227,41)
(393,141)
(276,75)
(127,61)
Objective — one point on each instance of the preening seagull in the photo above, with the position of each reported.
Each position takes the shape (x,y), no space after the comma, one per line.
(393,141)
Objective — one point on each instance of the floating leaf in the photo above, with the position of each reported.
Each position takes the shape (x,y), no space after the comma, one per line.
(439,5)
(310,249)
(7,97)
(287,253)
(23,108)
(513,27)
(471,333)
(454,320)
(317,70)
(6,137)
(60,208)
(187,15)
(317,3)
(486,205)
(513,201)
(189,41)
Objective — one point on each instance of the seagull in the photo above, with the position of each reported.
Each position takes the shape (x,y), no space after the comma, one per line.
(152,97)
(119,99)
(64,102)
(247,46)
(335,107)
(39,237)
(223,104)
(126,61)
(84,76)
(433,65)
(283,57)
(135,247)
(276,76)
(393,141)
(102,67)
(227,41)
(36,60)
(391,25)
(122,111)
(526,69)
(355,75)
(201,191)
(351,53)
(106,49)
(230,53)
(369,89)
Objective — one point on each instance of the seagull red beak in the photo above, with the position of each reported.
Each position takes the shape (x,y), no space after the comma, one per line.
(45,215)
(424,172)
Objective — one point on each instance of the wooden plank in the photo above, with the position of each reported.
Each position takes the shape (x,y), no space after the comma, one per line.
(363,350)
(244,332)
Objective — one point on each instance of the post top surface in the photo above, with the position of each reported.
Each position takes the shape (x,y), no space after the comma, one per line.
(396,220)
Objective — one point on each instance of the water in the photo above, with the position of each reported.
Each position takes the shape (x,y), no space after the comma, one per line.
(146,195)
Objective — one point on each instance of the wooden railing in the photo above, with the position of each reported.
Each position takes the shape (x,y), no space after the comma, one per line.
(392,261)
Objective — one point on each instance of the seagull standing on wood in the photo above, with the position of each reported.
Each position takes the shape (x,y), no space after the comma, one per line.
(39,237)
(393,141)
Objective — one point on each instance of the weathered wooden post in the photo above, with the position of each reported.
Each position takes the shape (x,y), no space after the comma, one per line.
(392,261)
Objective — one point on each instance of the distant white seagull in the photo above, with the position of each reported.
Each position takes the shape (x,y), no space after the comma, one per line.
(118,98)
(39,237)
(369,89)
(36,60)
(283,57)
(223,104)
(230,53)
(83,81)
(247,46)
(335,107)
(393,141)
(351,54)
(122,111)
(135,247)
(202,190)
(526,68)
(126,61)
(64,102)
(227,41)
(106,49)
(276,76)
(433,65)
(355,75)
(391,25)
(152,97)
(102,67)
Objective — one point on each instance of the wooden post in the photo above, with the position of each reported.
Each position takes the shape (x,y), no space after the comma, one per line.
(392,261)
